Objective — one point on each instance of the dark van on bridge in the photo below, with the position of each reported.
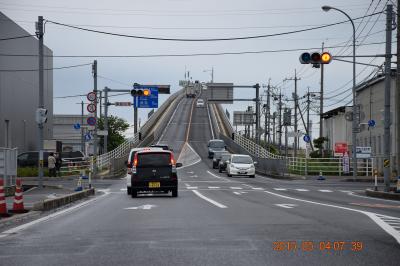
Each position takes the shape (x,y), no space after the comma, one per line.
(215,145)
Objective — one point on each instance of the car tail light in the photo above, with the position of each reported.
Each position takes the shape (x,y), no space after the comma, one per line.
(172,159)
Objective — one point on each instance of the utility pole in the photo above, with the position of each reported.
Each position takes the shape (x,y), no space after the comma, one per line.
(82,129)
(280,121)
(100,102)
(295,110)
(386,169)
(257,87)
(39,34)
(269,110)
(321,103)
(308,112)
(105,140)
(273,128)
(397,92)
(285,122)
(94,70)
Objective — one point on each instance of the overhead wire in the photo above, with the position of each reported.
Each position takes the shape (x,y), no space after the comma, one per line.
(53,68)
(207,39)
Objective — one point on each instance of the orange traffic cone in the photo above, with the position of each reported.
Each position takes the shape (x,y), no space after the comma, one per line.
(18,206)
(3,204)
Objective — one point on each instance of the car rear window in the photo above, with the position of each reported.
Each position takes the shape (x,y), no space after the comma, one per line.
(217,144)
(242,159)
(154,159)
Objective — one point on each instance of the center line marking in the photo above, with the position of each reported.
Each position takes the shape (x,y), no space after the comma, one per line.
(209,200)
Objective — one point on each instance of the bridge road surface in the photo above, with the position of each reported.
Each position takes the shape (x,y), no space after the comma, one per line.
(215,220)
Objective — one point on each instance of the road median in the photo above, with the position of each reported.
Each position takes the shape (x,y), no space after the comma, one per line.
(382,194)
(49,204)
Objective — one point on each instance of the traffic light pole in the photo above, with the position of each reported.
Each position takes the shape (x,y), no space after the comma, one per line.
(94,69)
(321,103)
(41,99)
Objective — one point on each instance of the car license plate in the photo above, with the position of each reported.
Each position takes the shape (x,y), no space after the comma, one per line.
(242,172)
(154,184)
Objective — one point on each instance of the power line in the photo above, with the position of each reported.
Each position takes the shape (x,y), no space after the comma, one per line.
(54,68)
(185,55)
(16,37)
(207,40)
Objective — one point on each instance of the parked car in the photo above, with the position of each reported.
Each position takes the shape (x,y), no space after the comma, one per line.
(154,170)
(31,158)
(215,145)
(217,158)
(129,164)
(240,164)
(223,162)
(200,103)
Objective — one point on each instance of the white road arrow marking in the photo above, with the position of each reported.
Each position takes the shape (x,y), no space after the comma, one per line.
(286,205)
(143,207)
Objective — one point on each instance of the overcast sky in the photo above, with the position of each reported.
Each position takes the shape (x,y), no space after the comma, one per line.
(200,19)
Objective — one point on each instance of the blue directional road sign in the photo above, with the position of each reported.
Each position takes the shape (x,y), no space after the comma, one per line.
(371,123)
(77,126)
(307,138)
(88,137)
(150,101)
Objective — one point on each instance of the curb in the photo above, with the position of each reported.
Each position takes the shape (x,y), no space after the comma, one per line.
(49,204)
(381,194)
(380,180)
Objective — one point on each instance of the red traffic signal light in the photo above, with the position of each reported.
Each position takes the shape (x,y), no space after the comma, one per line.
(315,58)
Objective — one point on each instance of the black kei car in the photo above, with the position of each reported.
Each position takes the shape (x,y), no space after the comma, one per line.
(217,158)
(154,170)
(223,162)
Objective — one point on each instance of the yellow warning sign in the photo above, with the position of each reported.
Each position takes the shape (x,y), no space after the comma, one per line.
(386,163)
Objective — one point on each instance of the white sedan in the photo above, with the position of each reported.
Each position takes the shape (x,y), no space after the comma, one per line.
(240,164)
(200,103)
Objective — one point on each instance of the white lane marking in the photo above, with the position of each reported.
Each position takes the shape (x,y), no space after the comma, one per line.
(169,122)
(236,188)
(325,190)
(53,215)
(186,184)
(193,176)
(374,216)
(351,193)
(280,189)
(196,162)
(301,189)
(191,187)
(213,187)
(286,205)
(257,188)
(220,177)
(209,200)
(143,207)
(236,192)
(216,120)
(345,191)
(211,126)
(190,172)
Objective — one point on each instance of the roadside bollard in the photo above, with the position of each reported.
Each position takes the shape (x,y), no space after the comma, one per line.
(79,185)
(376,179)
(321,177)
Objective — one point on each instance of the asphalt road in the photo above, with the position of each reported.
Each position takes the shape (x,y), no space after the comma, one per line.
(216,220)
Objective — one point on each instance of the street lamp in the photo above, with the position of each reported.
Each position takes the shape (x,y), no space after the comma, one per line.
(354,126)
(212,73)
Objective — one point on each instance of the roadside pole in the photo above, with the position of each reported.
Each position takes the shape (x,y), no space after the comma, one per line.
(94,71)
(82,133)
(321,102)
(41,98)
(269,111)
(386,159)
(105,138)
(397,93)
(257,87)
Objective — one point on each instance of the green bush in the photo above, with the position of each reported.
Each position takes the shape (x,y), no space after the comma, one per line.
(30,171)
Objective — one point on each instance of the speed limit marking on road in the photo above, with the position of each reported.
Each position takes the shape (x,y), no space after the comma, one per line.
(91,96)
(91,108)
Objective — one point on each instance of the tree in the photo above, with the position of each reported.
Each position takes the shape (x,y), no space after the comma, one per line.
(319,144)
(116,127)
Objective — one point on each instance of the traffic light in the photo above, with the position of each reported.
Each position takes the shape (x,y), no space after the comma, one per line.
(315,58)
(140,92)
(41,115)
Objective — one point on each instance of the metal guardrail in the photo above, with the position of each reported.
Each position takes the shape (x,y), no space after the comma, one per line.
(8,165)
